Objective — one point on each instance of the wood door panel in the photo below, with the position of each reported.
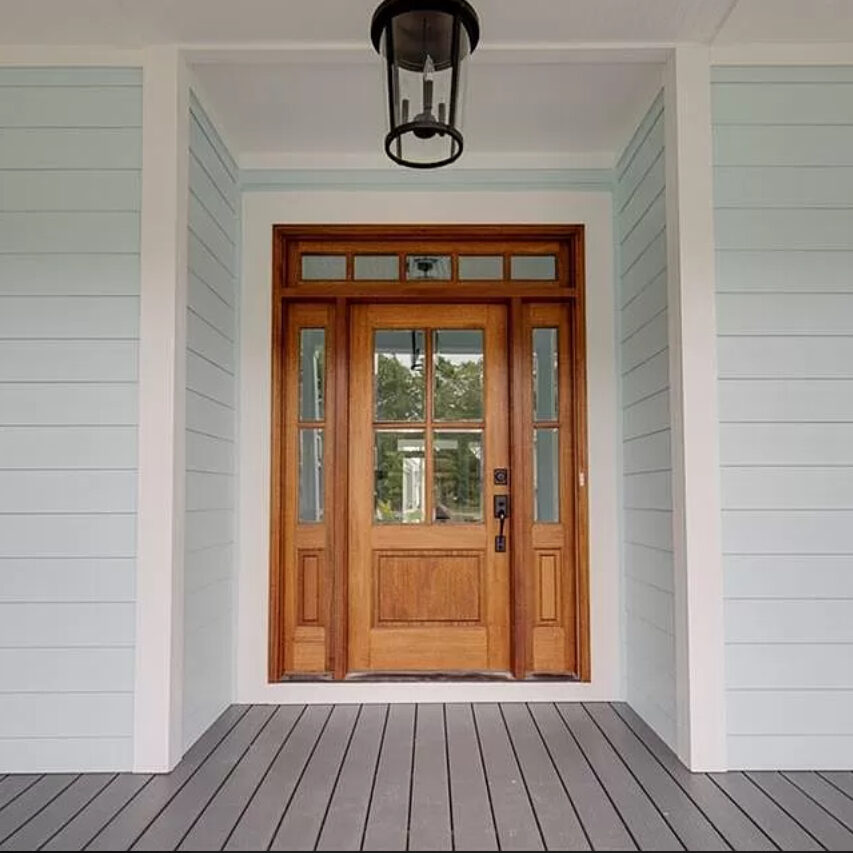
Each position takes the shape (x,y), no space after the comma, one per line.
(419,649)
(428,586)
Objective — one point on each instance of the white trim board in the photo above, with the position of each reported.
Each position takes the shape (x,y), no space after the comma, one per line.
(260,212)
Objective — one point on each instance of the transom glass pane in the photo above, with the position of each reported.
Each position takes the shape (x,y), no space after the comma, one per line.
(398,374)
(545,385)
(458,380)
(458,476)
(428,267)
(312,347)
(546,475)
(311,475)
(376,268)
(399,477)
(481,267)
(533,267)
(324,267)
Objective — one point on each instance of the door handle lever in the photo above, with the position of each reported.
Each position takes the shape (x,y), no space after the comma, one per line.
(501,513)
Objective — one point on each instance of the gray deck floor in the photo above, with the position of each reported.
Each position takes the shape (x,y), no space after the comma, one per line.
(428,777)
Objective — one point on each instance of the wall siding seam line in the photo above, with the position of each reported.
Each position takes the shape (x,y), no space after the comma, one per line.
(653,118)
(231,274)
(204,281)
(213,218)
(642,216)
(216,185)
(644,362)
(206,126)
(645,250)
(207,322)
(210,361)
(645,324)
(636,189)
(652,279)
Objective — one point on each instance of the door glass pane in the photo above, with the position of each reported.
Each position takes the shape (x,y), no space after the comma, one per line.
(533,267)
(398,374)
(458,381)
(545,403)
(376,268)
(399,477)
(324,267)
(546,475)
(428,267)
(481,267)
(312,344)
(310,475)
(458,476)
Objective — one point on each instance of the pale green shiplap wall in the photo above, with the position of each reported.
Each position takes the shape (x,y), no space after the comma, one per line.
(646,450)
(783,141)
(70,157)
(214,204)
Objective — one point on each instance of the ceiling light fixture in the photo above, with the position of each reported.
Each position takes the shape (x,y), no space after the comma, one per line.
(425,44)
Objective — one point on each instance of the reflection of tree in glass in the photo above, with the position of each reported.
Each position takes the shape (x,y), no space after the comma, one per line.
(398,495)
(458,476)
(458,390)
(399,390)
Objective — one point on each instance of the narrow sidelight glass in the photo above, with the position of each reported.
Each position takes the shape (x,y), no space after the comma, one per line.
(398,375)
(311,486)
(399,487)
(546,475)
(545,375)
(458,476)
(312,374)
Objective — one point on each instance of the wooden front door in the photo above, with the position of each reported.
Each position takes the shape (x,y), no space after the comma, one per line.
(428,408)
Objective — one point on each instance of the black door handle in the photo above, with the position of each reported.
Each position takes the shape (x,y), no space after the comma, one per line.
(501,513)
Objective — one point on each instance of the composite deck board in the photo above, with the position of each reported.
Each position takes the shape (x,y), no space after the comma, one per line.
(214,825)
(693,829)
(515,820)
(815,786)
(343,828)
(429,777)
(647,825)
(388,816)
(558,821)
(42,826)
(785,832)
(429,815)
(841,780)
(812,817)
(601,821)
(729,819)
(258,823)
(87,823)
(300,827)
(31,802)
(473,821)
(12,787)
(169,828)
(129,823)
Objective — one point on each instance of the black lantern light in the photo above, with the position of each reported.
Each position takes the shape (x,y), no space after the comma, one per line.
(425,44)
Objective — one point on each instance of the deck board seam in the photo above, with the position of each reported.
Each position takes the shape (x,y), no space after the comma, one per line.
(785,775)
(749,776)
(486,777)
(38,811)
(81,809)
(373,778)
(636,778)
(598,778)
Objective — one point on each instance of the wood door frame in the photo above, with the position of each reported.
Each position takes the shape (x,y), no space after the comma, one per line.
(567,242)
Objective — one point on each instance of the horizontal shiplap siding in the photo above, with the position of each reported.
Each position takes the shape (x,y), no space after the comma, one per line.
(784,230)
(647,484)
(211,423)
(70,158)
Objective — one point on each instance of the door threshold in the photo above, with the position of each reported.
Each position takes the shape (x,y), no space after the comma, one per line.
(462,676)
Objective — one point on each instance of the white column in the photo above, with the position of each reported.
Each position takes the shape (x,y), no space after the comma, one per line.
(162,368)
(699,634)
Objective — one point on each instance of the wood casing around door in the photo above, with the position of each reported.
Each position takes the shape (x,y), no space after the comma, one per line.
(441,587)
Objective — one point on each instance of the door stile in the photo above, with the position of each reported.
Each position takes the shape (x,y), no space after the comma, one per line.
(338,549)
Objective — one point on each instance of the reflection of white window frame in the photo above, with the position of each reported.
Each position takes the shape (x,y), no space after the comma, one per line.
(412,481)
(318,475)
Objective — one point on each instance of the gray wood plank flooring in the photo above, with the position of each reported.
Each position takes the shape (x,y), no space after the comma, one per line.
(429,777)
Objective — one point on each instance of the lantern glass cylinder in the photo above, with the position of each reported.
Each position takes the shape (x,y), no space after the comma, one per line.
(425,49)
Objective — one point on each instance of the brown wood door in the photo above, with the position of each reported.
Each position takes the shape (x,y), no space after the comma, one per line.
(429,421)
